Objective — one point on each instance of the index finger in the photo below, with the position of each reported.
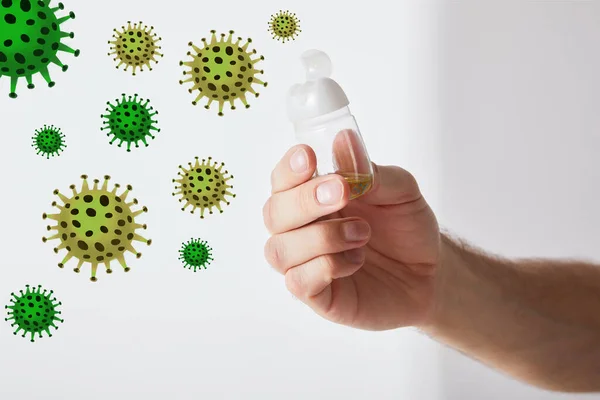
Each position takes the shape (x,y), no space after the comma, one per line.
(296,167)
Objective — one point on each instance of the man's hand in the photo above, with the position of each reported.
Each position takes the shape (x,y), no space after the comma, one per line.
(368,263)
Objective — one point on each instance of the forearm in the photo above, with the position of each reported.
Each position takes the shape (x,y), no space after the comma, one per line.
(537,320)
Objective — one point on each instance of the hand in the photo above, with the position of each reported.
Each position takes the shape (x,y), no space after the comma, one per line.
(368,263)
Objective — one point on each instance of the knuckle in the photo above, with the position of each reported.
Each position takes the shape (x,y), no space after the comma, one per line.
(328,265)
(267,214)
(305,200)
(274,252)
(294,283)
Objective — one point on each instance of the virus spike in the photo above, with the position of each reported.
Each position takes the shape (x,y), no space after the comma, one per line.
(128,127)
(284,26)
(35,48)
(97,227)
(222,75)
(135,46)
(21,315)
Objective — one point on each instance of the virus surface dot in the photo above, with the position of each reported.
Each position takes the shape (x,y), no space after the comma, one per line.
(130,121)
(195,254)
(203,186)
(284,26)
(34,311)
(96,225)
(30,39)
(49,141)
(135,46)
(222,71)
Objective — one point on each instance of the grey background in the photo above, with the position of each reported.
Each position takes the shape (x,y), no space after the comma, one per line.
(492,105)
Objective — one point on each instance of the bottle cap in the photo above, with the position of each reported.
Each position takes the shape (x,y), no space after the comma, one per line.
(319,95)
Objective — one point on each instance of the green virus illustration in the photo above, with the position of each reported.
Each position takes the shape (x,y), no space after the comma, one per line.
(135,46)
(203,186)
(34,311)
(49,141)
(30,39)
(96,226)
(284,26)
(195,254)
(222,71)
(130,121)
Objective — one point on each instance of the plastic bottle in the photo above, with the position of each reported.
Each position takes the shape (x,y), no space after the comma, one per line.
(322,120)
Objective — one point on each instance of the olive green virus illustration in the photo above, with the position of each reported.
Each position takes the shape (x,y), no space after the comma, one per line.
(96,226)
(130,121)
(195,254)
(34,311)
(135,46)
(222,71)
(30,39)
(203,186)
(284,26)
(49,141)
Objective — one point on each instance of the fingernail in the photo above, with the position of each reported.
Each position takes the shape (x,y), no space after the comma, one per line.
(299,161)
(355,231)
(329,192)
(355,256)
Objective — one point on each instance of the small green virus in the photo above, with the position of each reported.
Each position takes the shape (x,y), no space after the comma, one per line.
(96,226)
(49,141)
(284,26)
(136,46)
(34,311)
(203,186)
(222,71)
(195,254)
(130,121)
(30,38)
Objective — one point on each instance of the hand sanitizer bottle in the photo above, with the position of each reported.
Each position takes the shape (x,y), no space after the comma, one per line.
(322,120)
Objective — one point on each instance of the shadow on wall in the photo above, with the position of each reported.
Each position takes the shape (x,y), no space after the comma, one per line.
(520,113)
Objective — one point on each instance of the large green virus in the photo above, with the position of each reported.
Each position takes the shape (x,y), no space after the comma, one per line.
(49,141)
(195,254)
(222,71)
(284,26)
(96,225)
(34,311)
(30,38)
(130,121)
(203,186)
(135,46)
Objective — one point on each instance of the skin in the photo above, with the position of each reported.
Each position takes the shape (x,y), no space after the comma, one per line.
(535,320)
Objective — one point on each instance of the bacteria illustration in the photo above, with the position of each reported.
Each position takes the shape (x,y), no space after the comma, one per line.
(34,311)
(195,254)
(203,186)
(284,26)
(222,71)
(30,39)
(96,226)
(49,141)
(135,46)
(130,121)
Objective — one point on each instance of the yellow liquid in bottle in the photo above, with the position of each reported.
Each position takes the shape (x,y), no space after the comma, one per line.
(359,183)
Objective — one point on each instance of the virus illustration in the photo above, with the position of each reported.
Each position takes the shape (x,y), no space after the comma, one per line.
(96,226)
(34,311)
(284,26)
(136,46)
(195,254)
(222,71)
(30,38)
(203,186)
(130,121)
(49,141)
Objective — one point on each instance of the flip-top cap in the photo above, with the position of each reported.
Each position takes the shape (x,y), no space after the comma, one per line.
(319,95)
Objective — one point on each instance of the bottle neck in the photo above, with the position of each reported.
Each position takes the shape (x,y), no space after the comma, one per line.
(314,123)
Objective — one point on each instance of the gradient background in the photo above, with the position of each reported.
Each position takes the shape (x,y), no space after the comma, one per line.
(492,105)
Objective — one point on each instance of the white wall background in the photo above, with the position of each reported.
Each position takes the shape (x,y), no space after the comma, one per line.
(231,331)
(519,97)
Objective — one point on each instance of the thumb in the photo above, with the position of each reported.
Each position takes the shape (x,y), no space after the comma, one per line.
(392,185)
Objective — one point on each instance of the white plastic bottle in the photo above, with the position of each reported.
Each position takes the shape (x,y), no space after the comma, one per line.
(322,120)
